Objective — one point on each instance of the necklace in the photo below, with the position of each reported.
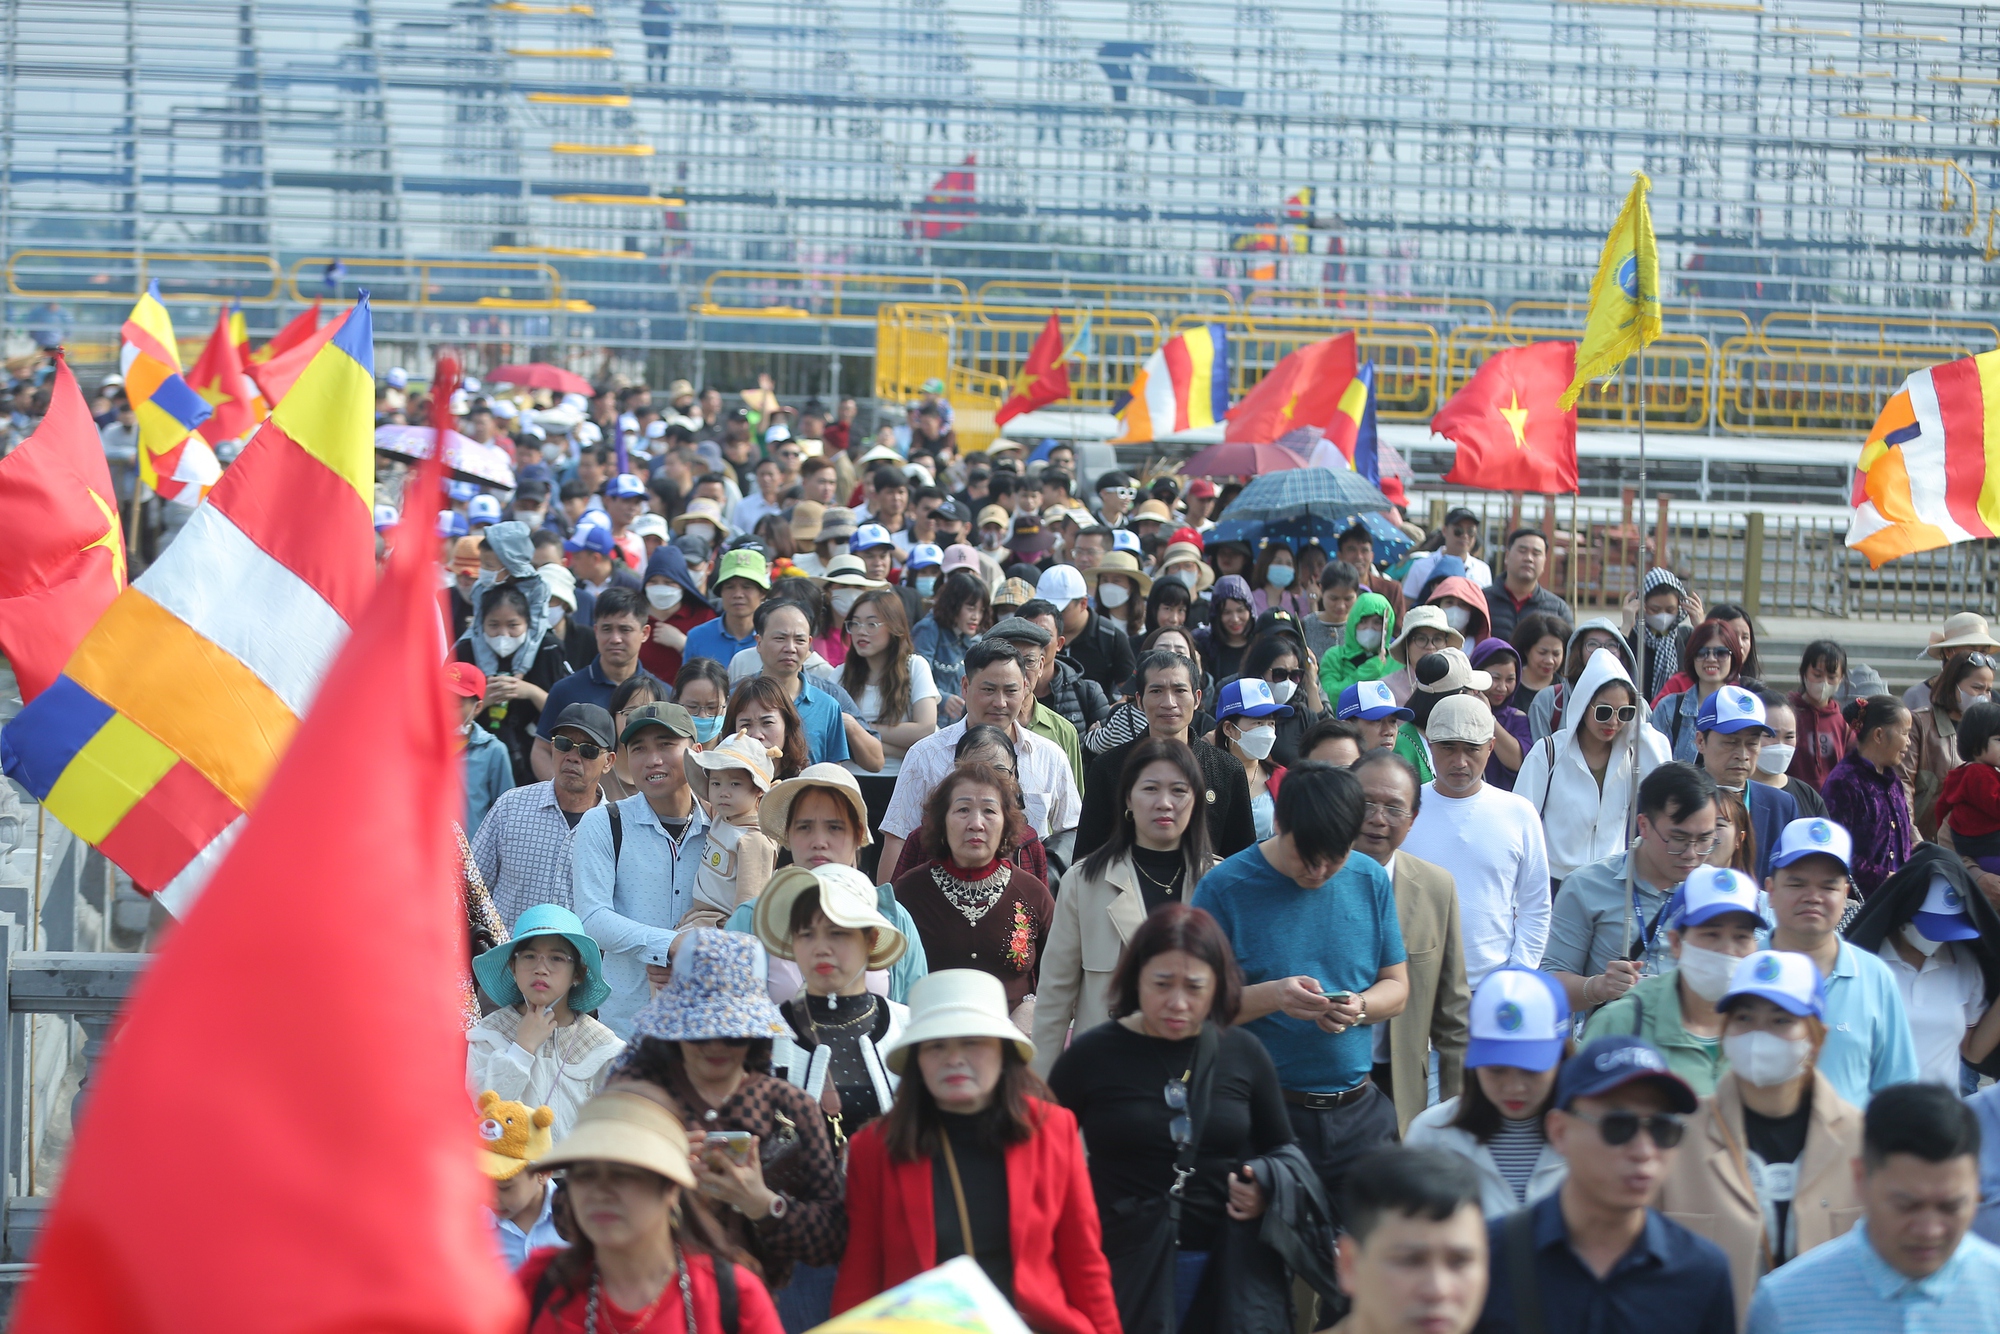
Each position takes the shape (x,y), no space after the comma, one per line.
(1169,887)
(863,1021)
(645,1316)
(974,898)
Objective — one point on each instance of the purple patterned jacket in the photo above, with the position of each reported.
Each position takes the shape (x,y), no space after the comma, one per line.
(1873,806)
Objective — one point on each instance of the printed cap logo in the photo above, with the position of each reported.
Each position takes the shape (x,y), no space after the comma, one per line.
(1821,832)
(1766,970)
(1509,1017)
(1952,898)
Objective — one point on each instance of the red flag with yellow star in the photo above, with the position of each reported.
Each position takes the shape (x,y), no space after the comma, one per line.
(1303,389)
(1044,377)
(1510,434)
(65,550)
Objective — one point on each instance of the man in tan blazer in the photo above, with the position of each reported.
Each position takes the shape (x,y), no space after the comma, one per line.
(1436,1017)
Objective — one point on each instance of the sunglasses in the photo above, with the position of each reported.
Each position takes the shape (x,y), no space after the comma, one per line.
(1277,674)
(1182,1126)
(1604,713)
(1619,1128)
(1122,492)
(583,748)
(1711,651)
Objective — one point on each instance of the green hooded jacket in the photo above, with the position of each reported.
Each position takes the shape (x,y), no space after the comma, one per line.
(1349,662)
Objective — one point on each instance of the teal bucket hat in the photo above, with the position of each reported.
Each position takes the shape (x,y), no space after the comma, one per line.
(496,977)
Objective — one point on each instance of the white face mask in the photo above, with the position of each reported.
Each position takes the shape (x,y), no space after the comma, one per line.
(664,597)
(1819,691)
(1282,691)
(1707,971)
(844,600)
(504,645)
(1660,622)
(704,531)
(1923,943)
(1257,742)
(1113,595)
(1188,578)
(1774,758)
(1968,698)
(1368,639)
(1765,1059)
(1458,618)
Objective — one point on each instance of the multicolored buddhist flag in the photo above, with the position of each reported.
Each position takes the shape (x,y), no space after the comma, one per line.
(1624,296)
(173,458)
(170,716)
(1924,479)
(1183,386)
(218,376)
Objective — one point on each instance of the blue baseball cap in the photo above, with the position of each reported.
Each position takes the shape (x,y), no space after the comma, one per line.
(590,537)
(1250,697)
(482,509)
(924,554)
(1714,891)
(452,524)
(1731,709)
(625,486)
(1816,836)
(1943,916)
(1613,1062)
(387,517)
(870,535)
(1789,981)
(533,472)
(1370,701)
(1124,539)
(460,492)
(1520,1017)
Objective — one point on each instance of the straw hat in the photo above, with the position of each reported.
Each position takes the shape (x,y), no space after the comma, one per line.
(1180,552)
(495,972)
(835,525)
(1965,629)
(741,751)
(717,991)
(512,1135)
(849,572)
(846,896)
(1119,562)
(1425,617)
(774,813)
(956,1003)
(807,516)
(701,510)
(629,1129)
(1155,510)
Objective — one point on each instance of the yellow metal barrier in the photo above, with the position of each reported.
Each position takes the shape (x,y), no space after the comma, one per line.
(849,296)
(1680,376)
(1815,387)
(1366,306)
(121,275)
(1537,313)
(1062,292)
(444,284)
(1880,333)
(1405,353)
(997,341)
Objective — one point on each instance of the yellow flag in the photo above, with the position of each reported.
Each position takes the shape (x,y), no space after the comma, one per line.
(1624,297)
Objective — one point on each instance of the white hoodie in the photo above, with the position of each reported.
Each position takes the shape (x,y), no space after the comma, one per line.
(1583,824)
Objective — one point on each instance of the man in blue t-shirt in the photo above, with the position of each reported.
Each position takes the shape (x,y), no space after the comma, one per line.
(1315,931)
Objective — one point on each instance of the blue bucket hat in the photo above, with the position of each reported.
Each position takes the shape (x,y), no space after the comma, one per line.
(718,991)
(496,975)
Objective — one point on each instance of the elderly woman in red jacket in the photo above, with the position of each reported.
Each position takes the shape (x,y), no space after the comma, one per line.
(1018,1198)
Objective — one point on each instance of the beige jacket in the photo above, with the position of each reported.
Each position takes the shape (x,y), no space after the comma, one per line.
(1438,1013)
(1931,754)
(1709,1190)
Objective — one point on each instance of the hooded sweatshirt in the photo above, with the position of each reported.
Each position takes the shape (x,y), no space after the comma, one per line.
(1350,662)
(1582,820)
(1544,713)
(1462,588)
(1824,737)
(511,544)
(655,657)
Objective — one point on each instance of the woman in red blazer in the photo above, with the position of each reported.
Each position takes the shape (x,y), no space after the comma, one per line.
(975,1145)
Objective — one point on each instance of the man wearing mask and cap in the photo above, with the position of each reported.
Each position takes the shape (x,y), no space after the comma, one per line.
(1730,729)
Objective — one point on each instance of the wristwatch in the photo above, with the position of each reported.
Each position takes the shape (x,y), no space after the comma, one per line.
(779,1204)
(1361,999)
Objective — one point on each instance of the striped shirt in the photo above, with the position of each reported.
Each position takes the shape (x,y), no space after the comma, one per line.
(1516,1148)
(1844,1287)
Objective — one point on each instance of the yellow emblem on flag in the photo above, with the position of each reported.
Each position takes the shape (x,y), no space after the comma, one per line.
(1624,297)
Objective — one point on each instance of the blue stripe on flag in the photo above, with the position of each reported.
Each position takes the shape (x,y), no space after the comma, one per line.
(1218,391)
(180,402)
(357,336)
(41,740)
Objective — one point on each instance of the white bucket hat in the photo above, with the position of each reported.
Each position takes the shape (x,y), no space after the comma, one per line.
(956,1003)
(741,751)
(846,897)
(1425,617)
(774,813)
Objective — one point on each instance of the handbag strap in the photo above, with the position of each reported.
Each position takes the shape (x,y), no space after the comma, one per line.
(958,1195)
(1518,1237)
(1200,1084)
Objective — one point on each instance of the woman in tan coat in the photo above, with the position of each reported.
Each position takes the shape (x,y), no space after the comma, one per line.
(1155,854)
(1933,748)
(1766,1168)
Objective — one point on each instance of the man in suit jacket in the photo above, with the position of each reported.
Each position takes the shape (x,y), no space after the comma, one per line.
(1436,1017)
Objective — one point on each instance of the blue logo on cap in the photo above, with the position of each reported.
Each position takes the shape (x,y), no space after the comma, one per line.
(1952,898)
(1509,1017)
(1766,970)
(1721,880)
(1821,832)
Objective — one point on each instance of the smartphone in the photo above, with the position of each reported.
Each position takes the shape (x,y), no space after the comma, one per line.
(1341,997)
(735,1143)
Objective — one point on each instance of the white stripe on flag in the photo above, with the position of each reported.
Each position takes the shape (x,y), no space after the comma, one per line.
(1160,394)
(1924,458)
(180,893)
(235,594)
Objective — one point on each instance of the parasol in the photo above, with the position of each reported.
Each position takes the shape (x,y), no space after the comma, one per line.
(464,458)
(541,375)
(1299,530)
(1241,458)
(1320,492)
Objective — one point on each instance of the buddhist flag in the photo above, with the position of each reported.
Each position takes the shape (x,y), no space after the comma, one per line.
(174,460)
(235,403)
(1044,378)
(1508,423)
(1925,479)
(1304,389)
(1624,297)
(166,722)
(1184,385)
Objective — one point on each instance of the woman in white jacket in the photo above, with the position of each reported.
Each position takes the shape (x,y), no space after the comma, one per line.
(1520,1038)
(1582,778)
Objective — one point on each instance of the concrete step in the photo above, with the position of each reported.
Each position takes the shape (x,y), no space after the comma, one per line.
(1892,648)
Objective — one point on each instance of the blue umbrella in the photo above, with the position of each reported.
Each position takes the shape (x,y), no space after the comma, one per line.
(1391,542)
(1320,492)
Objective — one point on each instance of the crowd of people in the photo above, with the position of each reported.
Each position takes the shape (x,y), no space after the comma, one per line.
(897,852)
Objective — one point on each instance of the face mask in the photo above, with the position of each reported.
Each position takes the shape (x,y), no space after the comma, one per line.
(1707,971)
(1257,742)
(989,541)
(1187,578)
(1113,595)
(533,518)
(844,600)
(1765,1059)
(664,597)
(1923,943)
(1458,618)
(926,585)
(1819,691)
(1968,698)
(1775,759)
(1370,639)
(1282,691)
(1279,576)
(1660,622)
(504,645)
(707,729)
(704,531)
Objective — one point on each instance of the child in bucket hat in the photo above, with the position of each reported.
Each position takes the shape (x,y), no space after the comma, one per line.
(738,857)
(541,1046)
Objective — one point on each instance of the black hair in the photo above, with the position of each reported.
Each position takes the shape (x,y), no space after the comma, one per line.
(1160,659)
(1034,607)
(1826,655)
(1266,649)
(1380,755)
(574,490)
(1979,725)
(1732,611)
(633,686)
(1676,790)
(1166,593)
(1339,574)
(887,478)
(1519,533)
(1927,1121)
(544,537)
(1432,1184)
(1536,626)
(955,592)
(1870,713)
(1113,479)
(619,600)
(1320,806)
(1060,480)
(502,595)
(1194,840)
(703,669)
(985,652)
(999,486)
(708,477)
(981,736)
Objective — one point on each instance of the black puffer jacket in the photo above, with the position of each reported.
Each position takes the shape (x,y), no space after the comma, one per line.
(1076,697)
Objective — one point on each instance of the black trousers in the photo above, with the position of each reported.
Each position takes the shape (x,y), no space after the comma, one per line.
(1335,1138)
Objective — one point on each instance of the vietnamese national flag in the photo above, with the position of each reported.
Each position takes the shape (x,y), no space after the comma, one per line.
(949,205)
(276,375)
(65,550)
(1510,433)
(220,379)
(1043,380)
(1302,390)
(301,327)
(245,1165)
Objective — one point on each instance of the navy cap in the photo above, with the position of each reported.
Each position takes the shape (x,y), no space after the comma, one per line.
(1612,1063)
(533,472)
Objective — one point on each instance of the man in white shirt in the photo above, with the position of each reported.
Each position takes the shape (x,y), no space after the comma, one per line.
(1490,841)
(1461,539)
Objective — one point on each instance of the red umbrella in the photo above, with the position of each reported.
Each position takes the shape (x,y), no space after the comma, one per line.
(541,375)
(1239,458)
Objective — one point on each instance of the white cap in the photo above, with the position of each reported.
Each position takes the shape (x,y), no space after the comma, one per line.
(398,377)
(1789,981)
(1714,890)
(1061,584)
(470,384)
(1124,539)
(1520,1017)
(1816,836)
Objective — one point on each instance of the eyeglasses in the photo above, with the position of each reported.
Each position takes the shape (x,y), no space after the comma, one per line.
(1393,814)
(1682,844)
(1604,713)
(1182,1126)
(1618,1128)
(583,748)
(1711,651)
(870,626)
(534,957)
(1277,674)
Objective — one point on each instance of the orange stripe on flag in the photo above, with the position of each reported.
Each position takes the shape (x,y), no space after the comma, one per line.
(187,692)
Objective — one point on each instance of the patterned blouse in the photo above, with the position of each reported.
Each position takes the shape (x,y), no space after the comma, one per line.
(993,918)
(1875,809)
